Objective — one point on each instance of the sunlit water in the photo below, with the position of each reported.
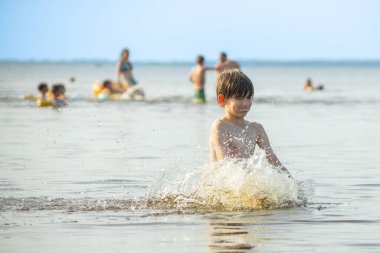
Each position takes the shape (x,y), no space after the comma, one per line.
(134,175)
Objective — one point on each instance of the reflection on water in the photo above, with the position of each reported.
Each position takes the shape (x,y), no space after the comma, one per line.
(229,236)
(239,232)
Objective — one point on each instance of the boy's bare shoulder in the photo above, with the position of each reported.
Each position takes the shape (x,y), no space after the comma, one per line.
(220,125)
(255,125)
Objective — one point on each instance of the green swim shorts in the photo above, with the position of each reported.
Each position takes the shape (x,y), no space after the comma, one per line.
(200,96)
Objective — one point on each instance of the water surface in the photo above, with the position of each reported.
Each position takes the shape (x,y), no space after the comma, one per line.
(76,179)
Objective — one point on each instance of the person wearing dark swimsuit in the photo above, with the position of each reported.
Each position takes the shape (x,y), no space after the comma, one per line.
(124,71)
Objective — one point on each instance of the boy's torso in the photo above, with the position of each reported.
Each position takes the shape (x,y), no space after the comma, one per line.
(241,141)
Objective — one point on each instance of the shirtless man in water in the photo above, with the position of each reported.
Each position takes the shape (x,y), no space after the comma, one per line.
(224,63)
(232,136)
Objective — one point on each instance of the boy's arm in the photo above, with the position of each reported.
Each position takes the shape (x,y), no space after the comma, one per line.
(263,142)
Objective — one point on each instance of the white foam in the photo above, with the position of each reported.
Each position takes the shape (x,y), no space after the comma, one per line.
(229,185)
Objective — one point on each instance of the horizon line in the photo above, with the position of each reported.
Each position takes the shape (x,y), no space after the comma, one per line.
(247,62)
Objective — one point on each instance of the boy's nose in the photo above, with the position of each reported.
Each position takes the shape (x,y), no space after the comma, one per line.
(246,102)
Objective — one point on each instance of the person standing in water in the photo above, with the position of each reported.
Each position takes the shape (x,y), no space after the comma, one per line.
(124,70)
(224,63)
(198,78)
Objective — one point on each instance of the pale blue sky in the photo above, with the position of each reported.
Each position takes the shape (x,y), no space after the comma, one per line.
(170,30)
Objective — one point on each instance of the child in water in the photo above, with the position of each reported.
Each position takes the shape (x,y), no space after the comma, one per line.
(59,99)
(198,78)
(106,88)
(42,98)
(232,136)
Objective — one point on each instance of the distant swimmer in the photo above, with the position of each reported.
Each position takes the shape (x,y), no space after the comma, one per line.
(309,86)
(59,99)
(124,70)
(232,136)
(224,63)
(42,89)
(114,90)
(42,98)
(107,87)
(198,78)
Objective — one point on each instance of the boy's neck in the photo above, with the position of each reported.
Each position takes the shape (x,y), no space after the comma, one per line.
(239,121)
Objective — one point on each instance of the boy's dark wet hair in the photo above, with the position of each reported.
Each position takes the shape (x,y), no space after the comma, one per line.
(42,86)
(200,59)
(233,83)
(223,54)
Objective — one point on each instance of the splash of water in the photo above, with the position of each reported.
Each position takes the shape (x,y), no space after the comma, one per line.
(231,185)
(228,186)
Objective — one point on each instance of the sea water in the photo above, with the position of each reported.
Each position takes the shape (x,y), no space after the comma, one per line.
(135,175)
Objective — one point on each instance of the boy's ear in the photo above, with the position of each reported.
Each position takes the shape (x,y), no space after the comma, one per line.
(221,100)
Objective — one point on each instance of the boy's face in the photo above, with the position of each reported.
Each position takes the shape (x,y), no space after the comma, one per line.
(237,107)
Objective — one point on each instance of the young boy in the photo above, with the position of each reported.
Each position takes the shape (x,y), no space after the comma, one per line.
(232,136)
(198,77)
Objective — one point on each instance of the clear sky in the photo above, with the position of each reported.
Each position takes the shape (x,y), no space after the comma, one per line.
(176,30)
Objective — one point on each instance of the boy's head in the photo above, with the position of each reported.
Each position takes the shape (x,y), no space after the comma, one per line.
(200,60)
(43,88)
(233,83)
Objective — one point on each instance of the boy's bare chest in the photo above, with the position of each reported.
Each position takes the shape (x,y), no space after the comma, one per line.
(242,140)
